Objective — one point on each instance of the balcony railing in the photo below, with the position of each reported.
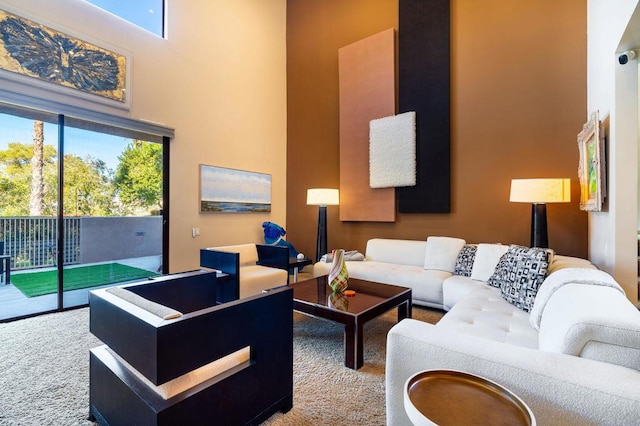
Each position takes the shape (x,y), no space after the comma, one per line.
(32,241)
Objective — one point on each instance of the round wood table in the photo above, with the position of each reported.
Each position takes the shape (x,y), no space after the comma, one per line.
(448,397)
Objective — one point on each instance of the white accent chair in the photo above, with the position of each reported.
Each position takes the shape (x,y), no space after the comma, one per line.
(252,267)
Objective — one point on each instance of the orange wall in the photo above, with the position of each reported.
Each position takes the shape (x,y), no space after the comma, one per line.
(518,100)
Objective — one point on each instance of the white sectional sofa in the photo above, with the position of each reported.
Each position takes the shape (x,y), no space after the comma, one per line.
(399,262)
(570,347)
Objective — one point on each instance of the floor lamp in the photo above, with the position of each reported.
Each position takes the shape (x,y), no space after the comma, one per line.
(540,192)
(322,197)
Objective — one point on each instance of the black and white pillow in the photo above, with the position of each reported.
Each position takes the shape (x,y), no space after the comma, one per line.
(464,262)
(502,272)
(520,273)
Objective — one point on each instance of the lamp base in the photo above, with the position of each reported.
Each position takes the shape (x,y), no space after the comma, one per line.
(539,235)
(321,240)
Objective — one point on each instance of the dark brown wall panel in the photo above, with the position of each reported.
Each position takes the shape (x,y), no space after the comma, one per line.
(367,91)
(424,87)
(518,100)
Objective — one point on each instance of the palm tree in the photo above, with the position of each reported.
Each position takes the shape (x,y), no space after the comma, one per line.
(36,201)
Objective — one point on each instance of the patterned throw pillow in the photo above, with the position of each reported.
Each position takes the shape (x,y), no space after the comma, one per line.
(464,262)
(502,271)
(520,273)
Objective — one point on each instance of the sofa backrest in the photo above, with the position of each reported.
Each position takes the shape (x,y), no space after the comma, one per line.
(561,262)
(401,252)
(248,252)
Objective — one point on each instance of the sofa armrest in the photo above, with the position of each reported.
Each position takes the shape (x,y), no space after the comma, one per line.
(559,388)
(228,263)
(273,256)
(592,321)
(161,311)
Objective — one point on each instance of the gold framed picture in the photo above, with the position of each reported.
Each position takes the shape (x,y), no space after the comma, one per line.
(591,167)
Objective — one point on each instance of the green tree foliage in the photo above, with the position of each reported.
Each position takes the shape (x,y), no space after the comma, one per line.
(138,177)
(88,190)
(15,178)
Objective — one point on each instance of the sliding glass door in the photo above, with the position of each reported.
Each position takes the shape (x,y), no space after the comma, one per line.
(98,187)
(28,209)
(113,190)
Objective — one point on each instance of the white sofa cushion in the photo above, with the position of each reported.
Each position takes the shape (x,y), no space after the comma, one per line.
(401,252)
(255,278)
(456,287)
(487,257)
(592,321)
(441,253)
(484,313)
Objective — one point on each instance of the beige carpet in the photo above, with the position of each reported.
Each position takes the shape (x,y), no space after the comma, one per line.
(44,364)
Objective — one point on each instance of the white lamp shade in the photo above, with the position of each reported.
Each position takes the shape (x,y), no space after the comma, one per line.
(323,197)
(539,191)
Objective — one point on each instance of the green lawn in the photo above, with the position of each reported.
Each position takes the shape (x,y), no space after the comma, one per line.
(46,282)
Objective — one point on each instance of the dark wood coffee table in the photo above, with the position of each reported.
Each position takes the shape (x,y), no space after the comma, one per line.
(314,298)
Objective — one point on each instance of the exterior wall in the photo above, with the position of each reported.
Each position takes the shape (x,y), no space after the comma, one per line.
(518,102)
(219,80)
(613,90)
(113,238)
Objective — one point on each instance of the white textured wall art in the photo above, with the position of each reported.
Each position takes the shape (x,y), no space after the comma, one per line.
(392,151)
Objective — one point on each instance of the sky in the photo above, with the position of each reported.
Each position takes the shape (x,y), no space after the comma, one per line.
(78,142)
(144,13)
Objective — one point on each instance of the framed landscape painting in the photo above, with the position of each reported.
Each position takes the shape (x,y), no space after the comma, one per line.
(225,190)
(591,168)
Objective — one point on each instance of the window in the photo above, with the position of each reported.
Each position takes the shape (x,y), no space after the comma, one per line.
(147,14)
(102,188)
